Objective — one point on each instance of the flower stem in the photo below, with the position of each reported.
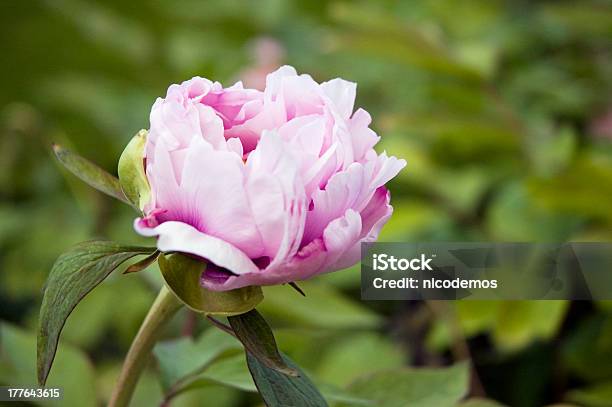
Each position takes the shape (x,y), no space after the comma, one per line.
(162,310)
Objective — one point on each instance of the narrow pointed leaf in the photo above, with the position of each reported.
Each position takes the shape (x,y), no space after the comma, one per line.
(182,275)
(74,275)
(90,173)
(297,288)
(131,171)
(278,389)
(142,264)
(257,337)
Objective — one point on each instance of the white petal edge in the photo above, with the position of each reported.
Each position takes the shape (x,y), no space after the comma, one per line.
(184,238)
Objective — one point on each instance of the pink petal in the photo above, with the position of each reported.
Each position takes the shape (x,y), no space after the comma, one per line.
(162,178)
(376,214)
(272,117)
(340,237)
(363,138)
(211,126)
(373,218)
(342,94)
(305,264)
(276,196)
(213,196)
(274,80)
(340,194)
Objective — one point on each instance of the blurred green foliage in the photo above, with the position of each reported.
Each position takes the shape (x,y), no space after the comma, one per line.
(503,110)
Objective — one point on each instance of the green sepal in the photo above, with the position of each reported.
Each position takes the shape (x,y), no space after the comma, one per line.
(131,171)
(182,276)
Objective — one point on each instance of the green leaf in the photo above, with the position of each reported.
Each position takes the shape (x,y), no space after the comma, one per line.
(514,215)
(182,275)
(131,171)
(512,324)
(210,395)
(231,371)
(257,337)
(339,395)
(596,395)
(214,358)
(587,349)
(339,365)
(186,365)
(72,371)
(474,317)
(142,264)
(521,322)
(423,387)
(277,389)
(589,178)
(90,173)
(74,274)
(180,358)
(314,310)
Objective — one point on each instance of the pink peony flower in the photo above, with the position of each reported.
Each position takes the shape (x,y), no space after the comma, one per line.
(269,187)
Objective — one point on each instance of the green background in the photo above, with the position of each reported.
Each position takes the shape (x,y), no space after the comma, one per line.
(502,109)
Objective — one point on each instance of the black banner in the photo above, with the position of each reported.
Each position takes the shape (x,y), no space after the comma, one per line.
(486,271)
